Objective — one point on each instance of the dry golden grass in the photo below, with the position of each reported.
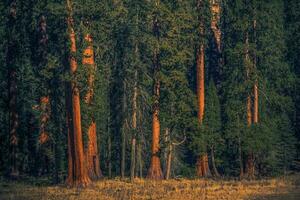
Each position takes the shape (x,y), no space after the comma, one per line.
(181,189)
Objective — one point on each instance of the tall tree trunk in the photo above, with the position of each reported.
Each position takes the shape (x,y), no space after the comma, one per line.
(78,175)
(155,171)
(12,89)
(134,125)
(202,167)
(91,153)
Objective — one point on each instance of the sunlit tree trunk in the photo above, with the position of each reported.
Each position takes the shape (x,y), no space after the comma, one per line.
(91,153)
(77,176)
(202,167)
(12,89)
(155,171)
(134,125)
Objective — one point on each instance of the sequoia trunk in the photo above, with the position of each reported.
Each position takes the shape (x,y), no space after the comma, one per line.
(77,176)
(202,167)
(134,125)
(91,153)
(155,171)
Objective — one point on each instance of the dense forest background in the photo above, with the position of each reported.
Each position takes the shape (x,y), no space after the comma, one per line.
(138,79)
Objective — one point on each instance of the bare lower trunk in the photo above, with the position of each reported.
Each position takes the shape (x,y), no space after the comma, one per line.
(250,166)
(139,160)
(155,171)
(202,167)
(169,162)
(123,153)
(132,156)
(241,159)
(215,170)
(92,155)
(109,157)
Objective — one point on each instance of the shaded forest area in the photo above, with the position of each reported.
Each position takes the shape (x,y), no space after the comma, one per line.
(153,89)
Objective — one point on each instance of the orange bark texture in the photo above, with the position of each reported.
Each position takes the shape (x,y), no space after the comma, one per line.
(77,173)
(202,167)
(155,171)
(91,153)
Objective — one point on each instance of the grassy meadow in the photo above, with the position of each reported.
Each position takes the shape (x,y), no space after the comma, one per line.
(286,188)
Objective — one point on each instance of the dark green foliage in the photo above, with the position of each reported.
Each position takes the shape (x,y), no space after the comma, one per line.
(124,45)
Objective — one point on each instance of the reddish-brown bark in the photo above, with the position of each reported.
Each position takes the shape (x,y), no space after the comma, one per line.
(155,171)
(202,168)
(91,153)
(77,176)
(200,83)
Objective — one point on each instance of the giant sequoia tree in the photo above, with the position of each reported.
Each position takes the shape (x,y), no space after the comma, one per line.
(155,171)
(77,172)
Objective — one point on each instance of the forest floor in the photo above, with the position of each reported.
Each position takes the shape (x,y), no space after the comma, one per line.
(287,188)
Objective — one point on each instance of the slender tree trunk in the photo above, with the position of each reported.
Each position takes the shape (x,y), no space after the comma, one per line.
(139,160)
(255,88)
(202,167)
(109,156)
(169,161)
(12,90)
(91,153)
(215,170)
(123,137)
(134,125)
(241,158)
(78,175)
(155,171)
